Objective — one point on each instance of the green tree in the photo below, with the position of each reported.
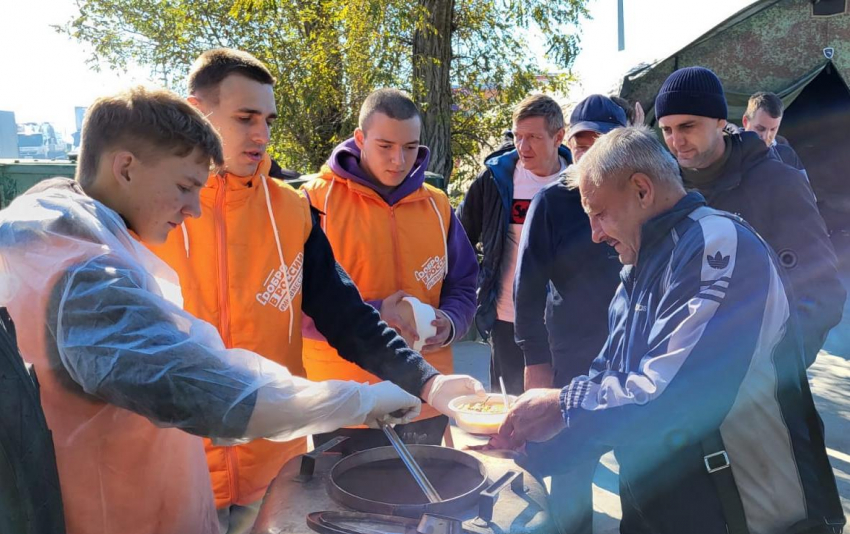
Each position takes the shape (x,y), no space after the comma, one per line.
(464,61)
(488,67)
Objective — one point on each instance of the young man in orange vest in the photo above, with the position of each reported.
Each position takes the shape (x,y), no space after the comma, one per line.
(396,236)
(255,259)
(128,379)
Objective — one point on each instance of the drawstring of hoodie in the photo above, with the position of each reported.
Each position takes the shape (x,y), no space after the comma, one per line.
(325,207)
(445,238)
(185,238)
(283,266)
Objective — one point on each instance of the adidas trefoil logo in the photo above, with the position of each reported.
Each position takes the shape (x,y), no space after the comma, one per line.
(717,261)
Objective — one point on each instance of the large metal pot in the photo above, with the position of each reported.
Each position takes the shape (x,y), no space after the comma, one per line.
(312,490)
(377,481)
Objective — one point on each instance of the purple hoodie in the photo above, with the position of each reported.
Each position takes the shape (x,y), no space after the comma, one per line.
(457,298)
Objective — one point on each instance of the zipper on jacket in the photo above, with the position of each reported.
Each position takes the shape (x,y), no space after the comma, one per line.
(221,257)
(396,249)
(629,285)
(224,311)
(231,462)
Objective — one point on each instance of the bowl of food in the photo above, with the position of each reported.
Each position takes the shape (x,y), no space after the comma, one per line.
(480,415)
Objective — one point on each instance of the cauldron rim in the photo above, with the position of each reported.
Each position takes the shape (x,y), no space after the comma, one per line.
(456,504)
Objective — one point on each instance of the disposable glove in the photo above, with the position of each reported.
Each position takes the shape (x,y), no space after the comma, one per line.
(392,405)
(445,388)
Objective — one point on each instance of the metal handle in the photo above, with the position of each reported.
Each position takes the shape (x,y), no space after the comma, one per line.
(487,500)
(308,460)
(404,453)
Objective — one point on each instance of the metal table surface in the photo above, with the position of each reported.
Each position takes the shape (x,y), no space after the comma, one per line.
(291,497)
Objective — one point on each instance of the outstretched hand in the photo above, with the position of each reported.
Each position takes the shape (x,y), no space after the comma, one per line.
(536,416)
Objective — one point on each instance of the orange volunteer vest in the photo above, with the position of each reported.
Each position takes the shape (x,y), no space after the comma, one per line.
(384,249)
(232,276)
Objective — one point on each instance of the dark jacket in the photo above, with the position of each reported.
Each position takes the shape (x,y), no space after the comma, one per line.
(276,171)
(788,156)
(556,247)
(485,215)
(778,202)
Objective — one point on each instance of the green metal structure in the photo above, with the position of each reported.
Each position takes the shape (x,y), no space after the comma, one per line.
(18,175)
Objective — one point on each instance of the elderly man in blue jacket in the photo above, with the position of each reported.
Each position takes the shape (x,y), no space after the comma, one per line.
(700,388)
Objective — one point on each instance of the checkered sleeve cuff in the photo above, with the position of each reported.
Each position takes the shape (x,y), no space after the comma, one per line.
(562,399)
(572,396)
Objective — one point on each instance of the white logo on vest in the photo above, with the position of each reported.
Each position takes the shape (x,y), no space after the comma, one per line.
(432,271)
(274,288)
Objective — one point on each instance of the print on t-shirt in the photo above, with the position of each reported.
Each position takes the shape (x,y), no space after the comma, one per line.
(526,185)
(519,210)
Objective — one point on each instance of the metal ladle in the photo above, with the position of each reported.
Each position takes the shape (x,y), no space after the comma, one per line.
(409,462)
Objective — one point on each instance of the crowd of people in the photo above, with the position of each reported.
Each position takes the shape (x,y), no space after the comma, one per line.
(660,302)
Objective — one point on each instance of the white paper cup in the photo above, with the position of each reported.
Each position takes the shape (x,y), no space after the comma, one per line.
(423,315)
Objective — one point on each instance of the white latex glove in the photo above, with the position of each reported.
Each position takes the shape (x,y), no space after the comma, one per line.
(390,398)
(448,387)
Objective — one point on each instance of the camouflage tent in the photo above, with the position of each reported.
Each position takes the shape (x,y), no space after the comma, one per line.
(798,49)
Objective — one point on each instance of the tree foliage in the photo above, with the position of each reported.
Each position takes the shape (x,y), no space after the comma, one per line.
(327,55)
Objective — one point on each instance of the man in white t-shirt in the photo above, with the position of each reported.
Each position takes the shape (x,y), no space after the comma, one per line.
(493,213)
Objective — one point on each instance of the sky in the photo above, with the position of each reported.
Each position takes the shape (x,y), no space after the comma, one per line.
(46,74)
(654,30)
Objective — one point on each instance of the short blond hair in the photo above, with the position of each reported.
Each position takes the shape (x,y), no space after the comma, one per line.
(769,102)
(540,105)
(142,121)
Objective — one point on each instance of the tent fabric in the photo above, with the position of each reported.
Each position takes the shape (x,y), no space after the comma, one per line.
(737,102)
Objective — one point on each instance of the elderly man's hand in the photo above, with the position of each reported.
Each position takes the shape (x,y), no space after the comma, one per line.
(536,416)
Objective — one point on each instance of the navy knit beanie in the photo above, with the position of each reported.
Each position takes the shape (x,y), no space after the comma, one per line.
(691,91)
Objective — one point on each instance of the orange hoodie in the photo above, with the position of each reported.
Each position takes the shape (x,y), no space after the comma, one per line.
(384,249)
(240,267)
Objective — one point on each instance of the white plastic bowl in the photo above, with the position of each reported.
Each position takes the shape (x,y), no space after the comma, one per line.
(476,422)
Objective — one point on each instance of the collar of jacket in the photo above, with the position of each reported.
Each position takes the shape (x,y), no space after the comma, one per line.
(358,187)
(747,151)
(502,170)
(345,163)
(657,228)
(238,183)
